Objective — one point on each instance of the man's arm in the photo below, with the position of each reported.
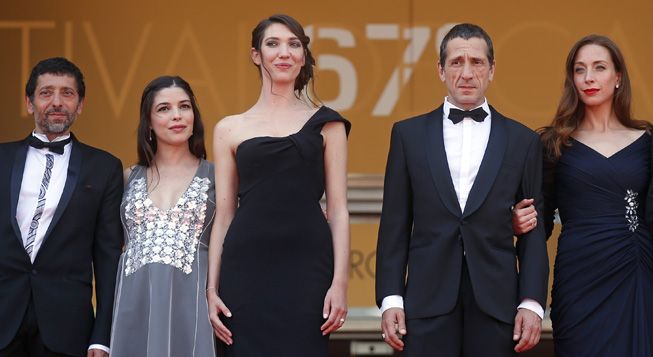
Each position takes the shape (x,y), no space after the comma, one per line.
(107,247)
(532,255)
(392,246)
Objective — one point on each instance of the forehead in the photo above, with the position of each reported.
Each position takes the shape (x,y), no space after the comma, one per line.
(279,31)
(56,81)
(170,95)
(593,53)
(473,47)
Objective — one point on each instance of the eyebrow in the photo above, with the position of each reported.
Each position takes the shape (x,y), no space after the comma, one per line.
(277,38)
(168,103)
(595,62)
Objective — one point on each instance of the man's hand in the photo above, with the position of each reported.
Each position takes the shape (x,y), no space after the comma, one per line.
(528,327)
(96,352)
(393,325)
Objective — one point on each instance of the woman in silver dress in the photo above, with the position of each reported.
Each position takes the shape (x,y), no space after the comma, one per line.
(167,213)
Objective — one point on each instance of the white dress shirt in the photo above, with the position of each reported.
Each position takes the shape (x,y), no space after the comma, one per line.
(465,145)
(29,194)
(31,185)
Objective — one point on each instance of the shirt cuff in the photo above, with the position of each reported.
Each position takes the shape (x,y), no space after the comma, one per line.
(99,347)
(530,304)
(392,301)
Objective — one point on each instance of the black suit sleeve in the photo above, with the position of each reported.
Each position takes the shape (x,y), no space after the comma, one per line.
(396,223)
(649,196)
(548,193)
(107,248)
(531,247)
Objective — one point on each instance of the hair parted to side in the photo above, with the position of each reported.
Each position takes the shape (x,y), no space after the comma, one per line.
(146,147)
(466,31)
(305,75)
(571,109)
(59,66)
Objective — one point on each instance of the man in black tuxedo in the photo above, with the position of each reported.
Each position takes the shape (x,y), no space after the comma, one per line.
(449,279)
(59,227)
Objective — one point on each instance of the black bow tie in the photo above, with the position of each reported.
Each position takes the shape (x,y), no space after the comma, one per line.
(54,146)
(457,115)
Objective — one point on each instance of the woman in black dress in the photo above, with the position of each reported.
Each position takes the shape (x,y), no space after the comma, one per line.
(278,270)
(597,174)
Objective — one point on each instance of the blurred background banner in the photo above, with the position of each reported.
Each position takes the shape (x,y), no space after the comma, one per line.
(376,64)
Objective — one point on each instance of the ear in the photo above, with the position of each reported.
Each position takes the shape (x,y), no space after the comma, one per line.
(255,56)
(493,65)
(441,72)
(29,105)
(80,106)
(618,79)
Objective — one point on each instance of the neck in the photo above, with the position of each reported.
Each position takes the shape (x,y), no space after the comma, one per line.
(169,155)
(280,98)
(52,136)
(600,118)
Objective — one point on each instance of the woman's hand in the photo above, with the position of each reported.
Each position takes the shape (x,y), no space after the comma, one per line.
(217,307)
(524,216)
(335,309)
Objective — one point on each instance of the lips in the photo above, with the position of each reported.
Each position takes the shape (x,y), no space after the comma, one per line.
(283,65)
(177,128)
(590,91)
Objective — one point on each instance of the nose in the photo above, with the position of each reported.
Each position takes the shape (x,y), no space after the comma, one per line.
(57,100)
(284,52)
(589,76)
(467,70)
(176,114)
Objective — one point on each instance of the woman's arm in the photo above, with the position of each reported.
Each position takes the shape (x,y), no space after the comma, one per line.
(335,168)
(226,187)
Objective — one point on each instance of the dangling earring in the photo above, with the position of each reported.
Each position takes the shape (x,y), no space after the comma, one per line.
(617,86)
(150,138)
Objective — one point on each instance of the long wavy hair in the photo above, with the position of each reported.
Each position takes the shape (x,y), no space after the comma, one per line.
(571,109)
(146,143)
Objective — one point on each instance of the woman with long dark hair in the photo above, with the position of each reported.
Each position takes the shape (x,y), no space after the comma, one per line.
(167,213)
(278,270)
(597,173)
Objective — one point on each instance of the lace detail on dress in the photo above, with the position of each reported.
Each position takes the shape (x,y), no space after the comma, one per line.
(164,236)
(631,210)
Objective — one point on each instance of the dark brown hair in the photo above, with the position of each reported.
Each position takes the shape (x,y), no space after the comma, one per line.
(571,109)
(466,31)
(59,66)
(146,142)
(305,75)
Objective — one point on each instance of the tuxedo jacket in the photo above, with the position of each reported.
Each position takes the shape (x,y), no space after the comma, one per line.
(84,239)
(424,235)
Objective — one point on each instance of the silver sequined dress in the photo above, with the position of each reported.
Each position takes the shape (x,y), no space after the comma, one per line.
(160,307)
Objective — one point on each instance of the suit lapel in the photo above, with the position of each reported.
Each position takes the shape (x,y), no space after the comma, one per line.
(16,182)
(437,158)
(74,167)
(490,165)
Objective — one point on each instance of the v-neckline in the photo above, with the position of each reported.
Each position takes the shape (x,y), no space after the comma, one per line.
(147,190)
(613,154)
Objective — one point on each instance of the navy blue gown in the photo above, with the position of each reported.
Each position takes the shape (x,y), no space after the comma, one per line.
(602,297)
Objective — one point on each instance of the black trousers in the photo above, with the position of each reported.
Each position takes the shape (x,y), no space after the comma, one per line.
(466,331)
(28,342)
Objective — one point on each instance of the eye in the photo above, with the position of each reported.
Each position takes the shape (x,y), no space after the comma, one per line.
(186,106)
(600,67)
(296,44)
(579,70)
(271,43)
(162,109)
(45,93)
(68,93)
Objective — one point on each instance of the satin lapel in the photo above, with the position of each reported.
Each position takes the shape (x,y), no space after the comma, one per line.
(74,167)
(16,182)
(437,158)
(492,159)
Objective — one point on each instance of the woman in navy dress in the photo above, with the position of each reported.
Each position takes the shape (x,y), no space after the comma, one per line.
(277,268)
(597,174)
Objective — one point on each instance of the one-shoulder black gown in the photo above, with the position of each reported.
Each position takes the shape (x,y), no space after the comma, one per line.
(277,260)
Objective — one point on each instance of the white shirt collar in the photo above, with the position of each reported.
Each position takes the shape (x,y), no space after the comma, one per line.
(44,137)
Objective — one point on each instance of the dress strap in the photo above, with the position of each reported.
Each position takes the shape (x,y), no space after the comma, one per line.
(325,115)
